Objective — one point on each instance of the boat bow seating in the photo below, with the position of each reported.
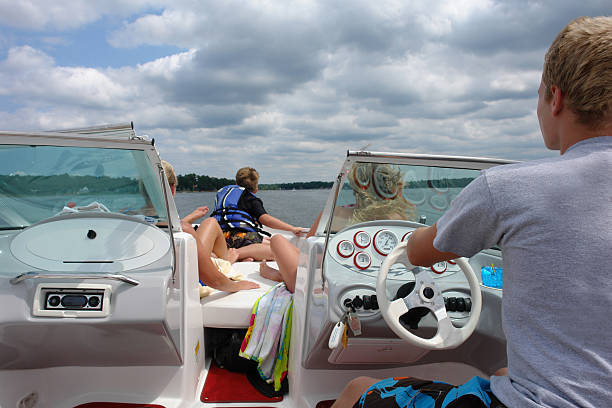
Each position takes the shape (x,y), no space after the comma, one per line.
(233,310)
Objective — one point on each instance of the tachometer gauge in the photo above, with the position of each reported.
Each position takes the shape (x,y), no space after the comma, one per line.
(384,242)
(362,239)
(362,260)
(439,267)
(345,248)
(406,236)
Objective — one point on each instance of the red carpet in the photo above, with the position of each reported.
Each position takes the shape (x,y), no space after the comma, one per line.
(225,386)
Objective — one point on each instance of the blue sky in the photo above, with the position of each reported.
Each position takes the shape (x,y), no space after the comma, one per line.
(285,87)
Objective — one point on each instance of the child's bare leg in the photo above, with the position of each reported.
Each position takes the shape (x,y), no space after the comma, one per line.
(211,239)
(353,391)
(287,256)
(269,272)
(260,252)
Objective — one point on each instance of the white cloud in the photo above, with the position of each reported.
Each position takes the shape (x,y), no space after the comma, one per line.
(289,87)
(39,15)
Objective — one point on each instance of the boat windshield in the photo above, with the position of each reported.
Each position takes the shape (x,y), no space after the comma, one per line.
(386,191)
(39,182)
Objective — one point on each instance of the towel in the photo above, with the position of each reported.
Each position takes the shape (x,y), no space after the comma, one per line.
(225,267)
(268,337)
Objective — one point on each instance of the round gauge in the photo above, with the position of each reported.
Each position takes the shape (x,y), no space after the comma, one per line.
(362,239)
(362,260)
(413,193)
(345,248)
(438,202)
(387,183)
(438,179)
(406,236)
(439,267)
(452,262)
(361,175)
(384,242)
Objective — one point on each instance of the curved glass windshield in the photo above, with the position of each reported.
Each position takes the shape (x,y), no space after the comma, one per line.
(385,191)
(39,182)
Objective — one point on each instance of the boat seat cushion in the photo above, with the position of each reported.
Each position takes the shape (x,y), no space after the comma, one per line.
(233,310)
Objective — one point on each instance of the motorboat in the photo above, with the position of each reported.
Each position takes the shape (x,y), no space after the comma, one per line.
(99,292)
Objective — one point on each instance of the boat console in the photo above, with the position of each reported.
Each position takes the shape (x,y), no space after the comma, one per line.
(87,269)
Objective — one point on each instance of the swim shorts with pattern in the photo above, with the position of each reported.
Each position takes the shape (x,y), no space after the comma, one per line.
(408,392)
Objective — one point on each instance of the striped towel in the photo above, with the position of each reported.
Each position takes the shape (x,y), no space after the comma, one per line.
(268,337)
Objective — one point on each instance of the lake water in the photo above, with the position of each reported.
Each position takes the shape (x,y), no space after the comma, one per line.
(297,207)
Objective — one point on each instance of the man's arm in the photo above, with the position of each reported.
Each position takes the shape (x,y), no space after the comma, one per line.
(420,248)
(273,222)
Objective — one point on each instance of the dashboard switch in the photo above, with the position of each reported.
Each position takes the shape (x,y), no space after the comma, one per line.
(460,304)
(374,302)
(367,302)
(357,302)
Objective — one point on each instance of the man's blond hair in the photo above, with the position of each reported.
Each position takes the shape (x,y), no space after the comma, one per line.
(248,178)
(170,174)
(579,61)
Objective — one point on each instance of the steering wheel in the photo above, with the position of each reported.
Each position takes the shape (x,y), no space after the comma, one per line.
(426,294)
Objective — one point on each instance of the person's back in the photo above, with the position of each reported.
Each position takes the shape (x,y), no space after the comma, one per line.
(552,219)
(556,243)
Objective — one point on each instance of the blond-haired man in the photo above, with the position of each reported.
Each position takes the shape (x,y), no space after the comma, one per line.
(552,219)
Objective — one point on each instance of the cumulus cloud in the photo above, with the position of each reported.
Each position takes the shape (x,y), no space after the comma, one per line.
(289,87)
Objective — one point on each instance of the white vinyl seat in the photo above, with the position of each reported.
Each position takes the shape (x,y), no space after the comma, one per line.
(233,310)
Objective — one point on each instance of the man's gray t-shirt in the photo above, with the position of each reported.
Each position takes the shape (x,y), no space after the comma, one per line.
(552,219)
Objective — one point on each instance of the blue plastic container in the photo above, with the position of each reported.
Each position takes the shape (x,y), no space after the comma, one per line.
(492,278)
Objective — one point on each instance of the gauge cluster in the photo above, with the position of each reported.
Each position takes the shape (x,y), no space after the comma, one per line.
(364,248)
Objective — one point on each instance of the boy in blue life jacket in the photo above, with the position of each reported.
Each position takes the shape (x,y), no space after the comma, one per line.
(241,215)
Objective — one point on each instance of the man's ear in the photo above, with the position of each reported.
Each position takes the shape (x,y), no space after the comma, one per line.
(557,100)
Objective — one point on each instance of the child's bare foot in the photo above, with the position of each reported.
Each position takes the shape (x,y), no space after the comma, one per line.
(232,255)
(269,273)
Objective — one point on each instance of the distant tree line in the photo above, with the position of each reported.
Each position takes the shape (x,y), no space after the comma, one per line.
(66,184)
(194,182)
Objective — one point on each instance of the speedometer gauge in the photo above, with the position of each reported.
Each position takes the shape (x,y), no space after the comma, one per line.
(406,236)
(362,239)
(345,248)
(439,267)
(362,260)
(384,242)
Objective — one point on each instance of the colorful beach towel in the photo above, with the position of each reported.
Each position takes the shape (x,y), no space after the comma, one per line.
(268,337)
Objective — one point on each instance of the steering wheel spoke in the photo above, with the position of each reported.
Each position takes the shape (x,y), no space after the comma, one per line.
(398,307)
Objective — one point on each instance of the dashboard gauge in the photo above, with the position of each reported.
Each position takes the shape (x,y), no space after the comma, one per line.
(345,248)
(406,236)
(362,239)
(439,267)
(452,262)
(362,175)
(384,242)
(386,180)
(362,260)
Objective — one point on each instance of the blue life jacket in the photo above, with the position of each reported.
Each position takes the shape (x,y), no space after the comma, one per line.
(227,213)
